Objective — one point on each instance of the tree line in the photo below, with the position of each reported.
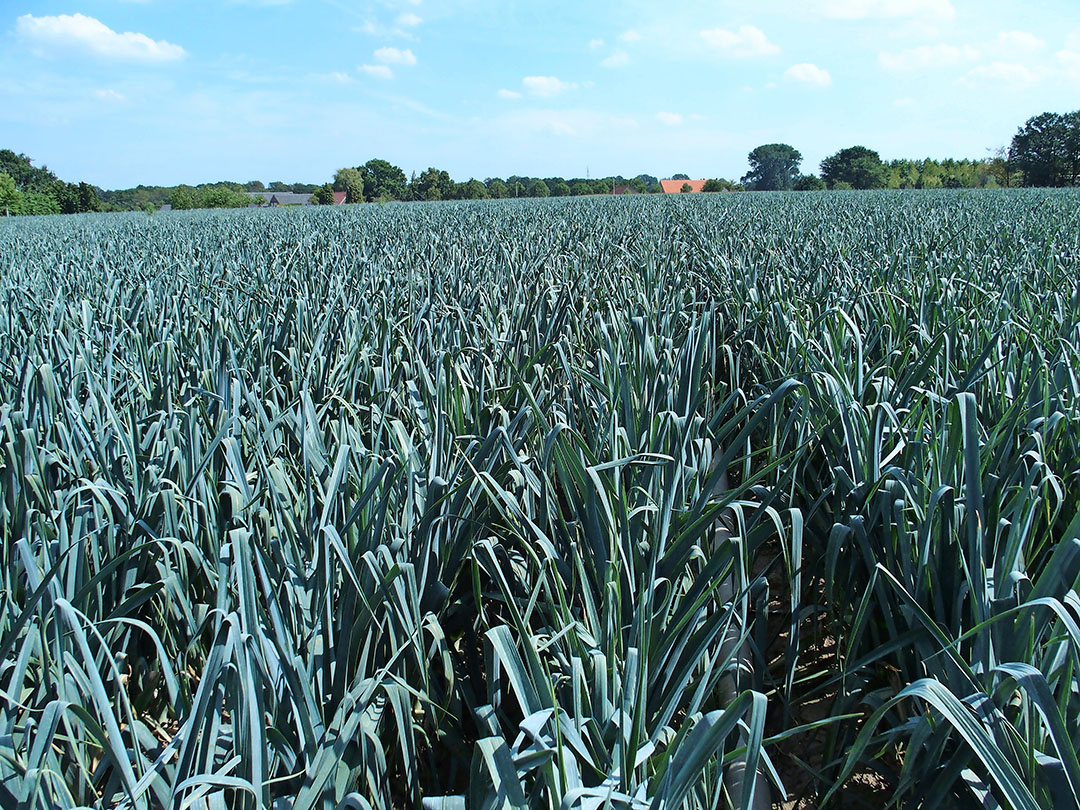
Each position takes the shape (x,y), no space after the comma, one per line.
(1044,152)
(380,181)
(26,189)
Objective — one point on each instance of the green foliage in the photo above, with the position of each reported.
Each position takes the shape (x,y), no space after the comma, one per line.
(719,184)
(383,181)
(36,203)
(11,201)
(553,504)
(686,188)
(1046,149)
(539,189)
(432,185)
(930,174)
(26,176)
(324,195)
(773,167)
(856,166)
(473,190)
(352,182)
(497,189)
(182,198)
(809,182)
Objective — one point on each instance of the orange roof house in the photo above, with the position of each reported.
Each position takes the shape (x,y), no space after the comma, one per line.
(675,186)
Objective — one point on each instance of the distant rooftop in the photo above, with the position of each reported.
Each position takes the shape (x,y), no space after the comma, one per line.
(675,186)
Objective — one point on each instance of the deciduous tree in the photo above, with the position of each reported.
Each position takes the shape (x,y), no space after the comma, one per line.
(856,166)
(773,167)
(1047,149)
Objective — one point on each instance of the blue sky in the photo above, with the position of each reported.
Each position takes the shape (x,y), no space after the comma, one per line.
(121,92)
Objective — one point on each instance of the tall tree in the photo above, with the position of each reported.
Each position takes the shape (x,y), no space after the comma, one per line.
(87,198)
(773,167)
(433,184)
(856,166)
(1047,149)
(383,180)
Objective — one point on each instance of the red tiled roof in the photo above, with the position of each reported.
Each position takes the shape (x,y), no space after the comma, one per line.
(339,197)
(675,186)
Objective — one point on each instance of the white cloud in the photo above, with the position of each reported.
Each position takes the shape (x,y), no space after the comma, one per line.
(810,74)
(617,59)
(409,20)
(339,78)
(927,57)
(669,119)
(630,36)
(109,95)
(377,71)
(395,56)
(596,44)
(745,43)
(511,94)
(1002,73)
(546,86)
(866,9)
(1017,42)
(81,33)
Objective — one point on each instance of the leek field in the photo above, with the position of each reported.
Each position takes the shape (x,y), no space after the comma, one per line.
(671,502)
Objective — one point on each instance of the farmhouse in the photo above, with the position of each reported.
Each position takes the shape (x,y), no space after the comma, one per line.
(624,190)
(676,186)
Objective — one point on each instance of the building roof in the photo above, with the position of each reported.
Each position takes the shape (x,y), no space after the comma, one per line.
(339,197)
(625,190)
(289,198)
(675,186)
